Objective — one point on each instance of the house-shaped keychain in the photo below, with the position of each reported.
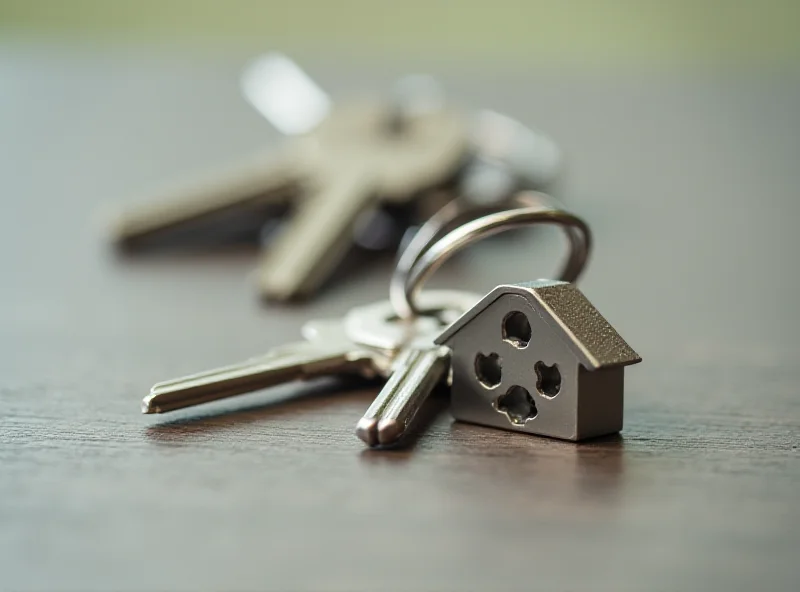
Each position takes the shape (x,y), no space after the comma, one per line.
(538,358)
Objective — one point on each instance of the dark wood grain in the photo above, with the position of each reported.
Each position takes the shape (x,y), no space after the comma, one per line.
(690,183)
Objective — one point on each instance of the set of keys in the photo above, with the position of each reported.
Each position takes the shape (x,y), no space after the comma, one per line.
(536,357)
(368,341)
(351,174)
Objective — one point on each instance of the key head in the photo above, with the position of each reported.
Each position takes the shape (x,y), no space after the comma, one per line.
(324,330)
(506,156)
(378,326)
(404,151)
(417,363)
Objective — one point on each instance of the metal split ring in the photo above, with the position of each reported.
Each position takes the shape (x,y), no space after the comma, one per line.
(446,233)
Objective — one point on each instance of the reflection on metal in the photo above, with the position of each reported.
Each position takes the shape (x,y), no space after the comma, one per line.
(284,94)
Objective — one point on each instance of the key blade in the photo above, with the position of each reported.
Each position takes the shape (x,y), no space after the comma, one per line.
(264,181)
(317,237)
(284,94)
(367,426)
(300,362)
(417,373)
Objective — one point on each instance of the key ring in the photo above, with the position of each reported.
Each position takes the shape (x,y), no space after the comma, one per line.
(422,257)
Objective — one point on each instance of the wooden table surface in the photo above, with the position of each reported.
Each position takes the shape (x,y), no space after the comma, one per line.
(690,183)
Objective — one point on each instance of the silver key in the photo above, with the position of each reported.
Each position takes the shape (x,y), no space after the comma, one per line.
(360,156)
(302,361)
(418,366)
(417,372)
(366,342)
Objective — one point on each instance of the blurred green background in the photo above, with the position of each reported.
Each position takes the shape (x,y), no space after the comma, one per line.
(672,32)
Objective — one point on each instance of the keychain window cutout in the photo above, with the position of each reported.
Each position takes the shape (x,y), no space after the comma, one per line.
(517,329)
(548,379)
(489,370)
(517,404)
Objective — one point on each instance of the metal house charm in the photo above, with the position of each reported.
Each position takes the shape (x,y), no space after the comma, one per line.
(538,358)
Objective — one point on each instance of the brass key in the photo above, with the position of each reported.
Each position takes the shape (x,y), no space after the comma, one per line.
(341,167)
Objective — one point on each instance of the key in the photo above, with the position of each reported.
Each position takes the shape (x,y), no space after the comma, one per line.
(357,170)
(336,355)
(365,342)
(241,194)
(236,199)
(419,365)
(506,157)
(417,372)
(337,171)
